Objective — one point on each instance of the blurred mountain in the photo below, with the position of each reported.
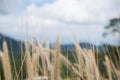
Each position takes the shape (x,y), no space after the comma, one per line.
(14,46)
(82,45)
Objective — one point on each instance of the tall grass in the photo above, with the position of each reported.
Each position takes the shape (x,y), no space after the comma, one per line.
(6,62)
(56,72)
(43,63)
(29,65)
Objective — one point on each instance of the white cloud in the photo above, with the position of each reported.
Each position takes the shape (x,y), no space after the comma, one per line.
(85,18)
(35,1)
(76,10)
(6,6)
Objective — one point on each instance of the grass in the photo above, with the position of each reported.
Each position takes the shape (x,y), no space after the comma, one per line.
(42,63)
(6,62)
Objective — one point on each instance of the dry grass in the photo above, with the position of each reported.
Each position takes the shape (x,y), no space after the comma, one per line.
(29,65)
(107,63)
(85,68)
(6,62)
(56,71)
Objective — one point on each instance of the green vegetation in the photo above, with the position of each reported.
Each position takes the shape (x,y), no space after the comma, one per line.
(111,51)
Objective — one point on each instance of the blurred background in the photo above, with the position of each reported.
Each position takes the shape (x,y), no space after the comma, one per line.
(92,21)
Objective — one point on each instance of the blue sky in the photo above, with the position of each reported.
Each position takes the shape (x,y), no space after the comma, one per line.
(48,18)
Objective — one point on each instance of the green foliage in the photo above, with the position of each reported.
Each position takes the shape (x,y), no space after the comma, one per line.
(111,51)
(113,26)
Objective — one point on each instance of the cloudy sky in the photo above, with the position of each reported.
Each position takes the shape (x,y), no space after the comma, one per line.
(46,19)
